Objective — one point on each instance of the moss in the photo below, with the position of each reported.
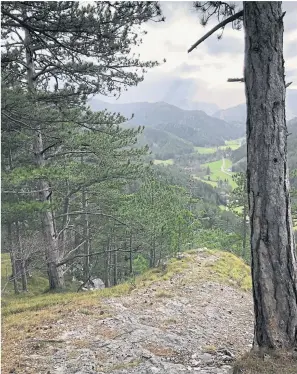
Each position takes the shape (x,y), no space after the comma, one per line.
(124,365)
(232,270)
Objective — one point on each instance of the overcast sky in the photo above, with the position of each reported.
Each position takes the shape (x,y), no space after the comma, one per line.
(202,74)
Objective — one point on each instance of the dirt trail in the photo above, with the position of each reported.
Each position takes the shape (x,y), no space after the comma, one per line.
(181,325)
(223,168)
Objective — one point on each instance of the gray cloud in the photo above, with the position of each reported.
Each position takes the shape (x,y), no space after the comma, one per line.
(290,49)
(214,61)
(186,68)
(169,46)
(228,44)
(290,18)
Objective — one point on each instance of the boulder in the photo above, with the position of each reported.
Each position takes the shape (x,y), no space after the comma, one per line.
(97,284)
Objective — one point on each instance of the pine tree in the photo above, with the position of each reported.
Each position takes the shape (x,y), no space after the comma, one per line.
(58,53)
(272,241)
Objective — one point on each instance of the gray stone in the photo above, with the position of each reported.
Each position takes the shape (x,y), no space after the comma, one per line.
(98,283)
(206,358)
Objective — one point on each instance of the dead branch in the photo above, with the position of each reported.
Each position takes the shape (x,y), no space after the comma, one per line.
(235,80)
(217,27)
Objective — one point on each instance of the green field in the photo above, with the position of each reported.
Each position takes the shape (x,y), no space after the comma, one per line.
(212,183)
(233,144)
(164,162)
(205,150)
(216,172)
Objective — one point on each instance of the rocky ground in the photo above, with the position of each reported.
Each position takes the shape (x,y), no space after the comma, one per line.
(181,325)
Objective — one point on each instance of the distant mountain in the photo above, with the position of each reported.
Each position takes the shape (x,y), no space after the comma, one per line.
(237,114)
(165,145)
(181,92)
(193,126)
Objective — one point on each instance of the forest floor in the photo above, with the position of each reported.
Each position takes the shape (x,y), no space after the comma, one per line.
(194,316)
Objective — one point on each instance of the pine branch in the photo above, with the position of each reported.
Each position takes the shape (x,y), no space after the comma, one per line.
(217,27)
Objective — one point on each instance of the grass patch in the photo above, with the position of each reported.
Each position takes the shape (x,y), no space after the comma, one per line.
(205,150)
(212,183)
(124,365)
(209,349)
(216,172)
(164,162)
(164,294)
(160,351)
(251,363)
(232,270)
(233,144)
(16,304)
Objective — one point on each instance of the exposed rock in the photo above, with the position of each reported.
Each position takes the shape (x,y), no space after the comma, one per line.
(191,331)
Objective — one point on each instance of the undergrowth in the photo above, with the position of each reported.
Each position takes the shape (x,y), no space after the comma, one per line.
(279,362)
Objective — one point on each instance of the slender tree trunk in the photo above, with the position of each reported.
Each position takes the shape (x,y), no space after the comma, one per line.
(272,239)
(10,244)
(115,267)
(244,231)
(107,263)
(131,255)
(12,258)
(22,259)
(64,236)
(86,236)
(55,274)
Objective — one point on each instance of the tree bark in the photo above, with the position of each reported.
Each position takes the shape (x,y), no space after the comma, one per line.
(55,274)
(272,239)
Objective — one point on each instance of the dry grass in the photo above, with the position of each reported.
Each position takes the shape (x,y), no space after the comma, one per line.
(160,351)
(164,294)
(231,270)
(278,363)
(124,365)
(209,349)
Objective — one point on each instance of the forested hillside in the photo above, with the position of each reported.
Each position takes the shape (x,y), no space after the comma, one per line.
(193,126)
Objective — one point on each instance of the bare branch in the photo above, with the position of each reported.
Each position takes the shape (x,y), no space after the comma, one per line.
(25,192)
(92,213)
(63,262)
(235,80)
(217,27)
(288,84)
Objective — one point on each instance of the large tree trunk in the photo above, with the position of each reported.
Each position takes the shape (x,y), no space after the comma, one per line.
(272,239)
(55,274)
